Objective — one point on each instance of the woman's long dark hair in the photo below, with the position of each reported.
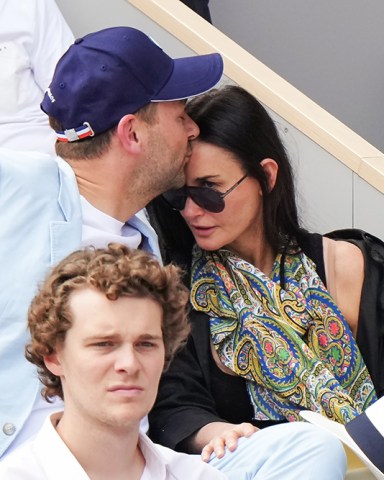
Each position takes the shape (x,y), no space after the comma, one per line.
(231,118)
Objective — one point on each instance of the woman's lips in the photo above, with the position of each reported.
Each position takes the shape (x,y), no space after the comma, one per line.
(202,231)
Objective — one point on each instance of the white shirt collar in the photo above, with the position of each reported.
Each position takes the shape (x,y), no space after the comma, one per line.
(99,229)
(53,455)
(48,457)
(59,463)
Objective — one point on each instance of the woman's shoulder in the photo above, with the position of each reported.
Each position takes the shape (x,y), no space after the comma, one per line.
(340,264)
(344,265)
(344,269)
(336,258)
(345,256)
(312,245)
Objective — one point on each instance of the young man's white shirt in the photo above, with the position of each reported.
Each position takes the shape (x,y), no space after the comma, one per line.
(47,457)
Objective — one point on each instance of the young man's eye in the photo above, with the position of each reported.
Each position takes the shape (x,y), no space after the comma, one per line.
(147,344)
(102,344)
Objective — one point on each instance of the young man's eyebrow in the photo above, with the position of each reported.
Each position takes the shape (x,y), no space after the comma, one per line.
(109,336)
(148,336)
(98,336)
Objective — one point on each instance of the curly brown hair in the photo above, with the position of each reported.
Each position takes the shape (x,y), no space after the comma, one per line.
(116,271)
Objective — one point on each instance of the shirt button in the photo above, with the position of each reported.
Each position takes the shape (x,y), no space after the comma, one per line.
(9,429)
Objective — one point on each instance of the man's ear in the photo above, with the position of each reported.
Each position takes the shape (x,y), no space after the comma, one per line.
(271,170)
(128,133)
(52,362)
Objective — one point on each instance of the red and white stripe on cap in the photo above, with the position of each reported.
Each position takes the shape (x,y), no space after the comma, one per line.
(74,134)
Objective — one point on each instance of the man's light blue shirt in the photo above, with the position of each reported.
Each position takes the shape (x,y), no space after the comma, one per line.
(41,223)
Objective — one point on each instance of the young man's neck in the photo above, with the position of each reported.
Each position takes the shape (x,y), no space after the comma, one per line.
(103,451)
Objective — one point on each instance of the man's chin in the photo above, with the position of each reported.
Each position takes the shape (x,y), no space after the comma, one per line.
(178,181)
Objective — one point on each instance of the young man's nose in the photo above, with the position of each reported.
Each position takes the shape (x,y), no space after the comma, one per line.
(127,360)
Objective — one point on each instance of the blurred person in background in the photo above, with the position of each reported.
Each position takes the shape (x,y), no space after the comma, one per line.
(201,7)
(33,36)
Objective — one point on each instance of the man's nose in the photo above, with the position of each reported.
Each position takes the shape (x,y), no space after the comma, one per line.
(192,128)
(127,360)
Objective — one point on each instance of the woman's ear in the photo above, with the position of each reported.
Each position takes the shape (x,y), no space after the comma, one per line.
(52,362)
(128,134)
(271,169)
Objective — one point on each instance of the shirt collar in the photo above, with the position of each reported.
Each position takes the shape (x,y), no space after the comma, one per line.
(53,455)
(155,464)
(59,463)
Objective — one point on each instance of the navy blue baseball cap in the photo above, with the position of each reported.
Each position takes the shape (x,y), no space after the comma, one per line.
(113,72)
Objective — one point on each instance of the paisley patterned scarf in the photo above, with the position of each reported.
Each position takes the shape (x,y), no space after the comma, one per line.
(292,345)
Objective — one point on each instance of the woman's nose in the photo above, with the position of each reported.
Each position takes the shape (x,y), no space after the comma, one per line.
(191,209)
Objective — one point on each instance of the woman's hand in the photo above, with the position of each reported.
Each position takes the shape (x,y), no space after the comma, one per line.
(227,438)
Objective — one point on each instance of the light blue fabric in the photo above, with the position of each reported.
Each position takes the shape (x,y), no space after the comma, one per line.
(150,242)
(288,451)
(40,223)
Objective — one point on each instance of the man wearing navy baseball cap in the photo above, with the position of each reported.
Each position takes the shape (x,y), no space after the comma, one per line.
(109,74)
(116,103)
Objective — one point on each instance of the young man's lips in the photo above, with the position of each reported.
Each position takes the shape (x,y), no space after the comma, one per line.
(125,388)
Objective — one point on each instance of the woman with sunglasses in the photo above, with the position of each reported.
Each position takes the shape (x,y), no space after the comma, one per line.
(268,339)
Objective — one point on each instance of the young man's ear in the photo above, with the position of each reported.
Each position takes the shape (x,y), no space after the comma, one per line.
(129,133)
(52,362)
(271,170)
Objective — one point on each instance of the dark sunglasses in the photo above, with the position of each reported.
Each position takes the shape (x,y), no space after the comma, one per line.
(207,198)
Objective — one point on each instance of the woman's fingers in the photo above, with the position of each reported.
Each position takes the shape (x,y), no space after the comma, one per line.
(217,446)
(227,439)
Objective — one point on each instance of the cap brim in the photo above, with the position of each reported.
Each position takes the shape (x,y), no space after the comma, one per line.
(191,76)
(341,433)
